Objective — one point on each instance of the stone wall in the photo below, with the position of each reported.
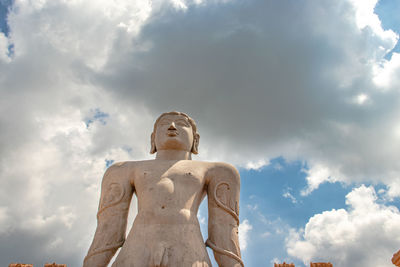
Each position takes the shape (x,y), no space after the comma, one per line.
(30,265)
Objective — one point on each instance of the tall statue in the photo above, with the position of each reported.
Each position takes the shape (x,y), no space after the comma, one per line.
(169,190)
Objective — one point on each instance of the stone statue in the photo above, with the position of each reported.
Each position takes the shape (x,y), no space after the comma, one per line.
(169,189)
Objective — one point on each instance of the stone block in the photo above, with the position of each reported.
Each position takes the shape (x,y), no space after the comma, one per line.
(321,264)
(396,258)
(284,264)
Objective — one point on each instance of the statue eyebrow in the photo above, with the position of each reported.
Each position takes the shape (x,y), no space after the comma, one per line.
(169,120)
(164,120)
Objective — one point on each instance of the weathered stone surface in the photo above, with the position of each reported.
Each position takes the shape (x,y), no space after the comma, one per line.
(170,188)
(284,264)
(20,265)
(396,258)
(321,264)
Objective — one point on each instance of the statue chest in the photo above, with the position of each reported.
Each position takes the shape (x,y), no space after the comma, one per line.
(173,185)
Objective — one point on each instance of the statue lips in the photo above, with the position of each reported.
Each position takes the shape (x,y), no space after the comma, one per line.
(172,133)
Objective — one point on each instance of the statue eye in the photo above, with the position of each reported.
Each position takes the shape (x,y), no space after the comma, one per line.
(165,122)
(182,123)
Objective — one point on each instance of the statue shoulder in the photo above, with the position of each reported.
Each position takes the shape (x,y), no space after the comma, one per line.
(128,165)
(222,171)
(119,167)
(120,170)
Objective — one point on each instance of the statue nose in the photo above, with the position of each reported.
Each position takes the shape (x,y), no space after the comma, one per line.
(172,126)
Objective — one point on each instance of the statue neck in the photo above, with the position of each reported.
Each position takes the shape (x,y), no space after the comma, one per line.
(171,154)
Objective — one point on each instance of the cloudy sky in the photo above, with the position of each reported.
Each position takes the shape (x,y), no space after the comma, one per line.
(303,96)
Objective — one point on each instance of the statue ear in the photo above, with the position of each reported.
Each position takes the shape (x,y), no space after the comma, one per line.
(195,147)
(153,148)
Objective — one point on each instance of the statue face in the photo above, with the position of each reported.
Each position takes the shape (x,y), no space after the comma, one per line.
(174,132)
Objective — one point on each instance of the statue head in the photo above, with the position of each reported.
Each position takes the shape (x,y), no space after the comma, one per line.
(175,130)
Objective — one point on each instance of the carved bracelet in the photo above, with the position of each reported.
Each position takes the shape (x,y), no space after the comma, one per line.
(224,251)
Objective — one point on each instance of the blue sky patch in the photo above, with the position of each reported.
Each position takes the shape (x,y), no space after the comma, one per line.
(109,162)
(388,12)
(97,115)
(276,193)
(272,203)
(4,8)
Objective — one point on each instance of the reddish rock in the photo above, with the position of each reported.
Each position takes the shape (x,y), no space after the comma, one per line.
(284,264)
(321,264)
(396,258)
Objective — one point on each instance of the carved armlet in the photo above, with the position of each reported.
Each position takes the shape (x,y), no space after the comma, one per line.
(233,212)
(114,194)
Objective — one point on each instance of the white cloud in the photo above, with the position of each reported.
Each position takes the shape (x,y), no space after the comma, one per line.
(386,74)
(252,207)
(361,99)
(244,229)
(364,234)
(51,177)
(365,17)
(281,98)
(4,219)
(288,195)
(394,190)
(4,43)
(82,30)
(202,219)
(317,174)
(265,234)
(262,79)
(257,165)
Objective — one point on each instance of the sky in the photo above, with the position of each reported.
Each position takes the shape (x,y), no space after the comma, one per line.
(303,97)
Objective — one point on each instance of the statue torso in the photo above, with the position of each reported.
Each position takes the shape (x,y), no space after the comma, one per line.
(169,192)
(166,231)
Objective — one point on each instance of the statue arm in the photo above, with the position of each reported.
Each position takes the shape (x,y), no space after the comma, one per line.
(223,215)
(116,194)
